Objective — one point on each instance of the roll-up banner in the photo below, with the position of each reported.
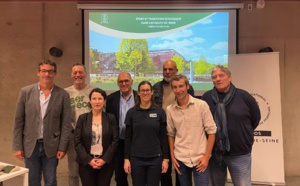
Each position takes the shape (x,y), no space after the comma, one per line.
(259,75)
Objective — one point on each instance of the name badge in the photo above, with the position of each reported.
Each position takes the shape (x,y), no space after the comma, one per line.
(154,115)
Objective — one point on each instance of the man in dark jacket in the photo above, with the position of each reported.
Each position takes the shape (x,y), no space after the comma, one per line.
(118,103)
(236,114)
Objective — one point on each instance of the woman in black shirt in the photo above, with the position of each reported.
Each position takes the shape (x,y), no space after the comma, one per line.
(146,145)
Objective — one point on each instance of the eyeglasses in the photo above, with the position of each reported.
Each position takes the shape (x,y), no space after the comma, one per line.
(50,72)
(126,81)
(145,91)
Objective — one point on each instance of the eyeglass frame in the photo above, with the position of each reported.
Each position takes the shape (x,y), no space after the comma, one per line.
(50,72)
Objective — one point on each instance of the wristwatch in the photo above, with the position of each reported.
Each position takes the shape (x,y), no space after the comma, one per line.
(167,160)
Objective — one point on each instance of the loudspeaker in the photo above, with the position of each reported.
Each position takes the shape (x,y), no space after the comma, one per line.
(266,49)
(56,52)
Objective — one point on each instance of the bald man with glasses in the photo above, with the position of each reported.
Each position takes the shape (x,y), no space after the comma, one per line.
(118,103)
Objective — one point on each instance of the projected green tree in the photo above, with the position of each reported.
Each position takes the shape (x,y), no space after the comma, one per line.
(179,62)
(133,56)
(135,59)
(202,67)
(94,59)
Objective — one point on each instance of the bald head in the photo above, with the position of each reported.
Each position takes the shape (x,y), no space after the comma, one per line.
(169,70)
(125,83)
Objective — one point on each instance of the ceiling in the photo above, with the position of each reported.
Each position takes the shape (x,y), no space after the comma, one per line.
(146,1)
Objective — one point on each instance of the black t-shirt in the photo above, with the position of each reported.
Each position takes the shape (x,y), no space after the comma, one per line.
(146,132)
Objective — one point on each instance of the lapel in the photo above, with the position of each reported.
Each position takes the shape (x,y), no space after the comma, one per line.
(104,123)
(36,97)
(88,126)
(118,104)
(54,95)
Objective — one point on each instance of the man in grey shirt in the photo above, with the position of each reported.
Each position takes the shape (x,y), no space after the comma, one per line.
(79,98)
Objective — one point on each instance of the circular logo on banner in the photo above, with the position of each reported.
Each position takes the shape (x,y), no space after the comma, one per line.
(264,106)
(104,18)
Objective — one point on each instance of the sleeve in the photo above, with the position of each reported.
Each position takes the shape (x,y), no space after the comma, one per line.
(80,149)
(171,130)
(128,133)
(208,121)
(112,148)
(66,125)
(254,112)
(19,123)
(163,135)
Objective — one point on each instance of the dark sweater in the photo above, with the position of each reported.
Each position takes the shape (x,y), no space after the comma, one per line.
(146,132)
(243,116)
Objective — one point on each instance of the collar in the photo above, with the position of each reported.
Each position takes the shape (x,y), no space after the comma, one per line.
(191,102)
(142,109)
(164,82)
(122,95)
(39,87)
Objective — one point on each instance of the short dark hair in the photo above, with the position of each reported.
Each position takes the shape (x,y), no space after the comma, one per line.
(100,91)
(79,64)
(47,62)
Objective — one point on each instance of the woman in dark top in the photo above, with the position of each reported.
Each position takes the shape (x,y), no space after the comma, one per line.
(146,145)
(96,141)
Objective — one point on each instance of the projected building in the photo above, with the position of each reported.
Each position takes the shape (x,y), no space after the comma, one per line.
(107,61)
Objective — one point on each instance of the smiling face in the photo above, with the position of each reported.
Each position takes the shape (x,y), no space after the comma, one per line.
(125,83)
(169,70)
(180,89)
(145,92)
(97,101)
(221,80)
(46,74)
(78,74)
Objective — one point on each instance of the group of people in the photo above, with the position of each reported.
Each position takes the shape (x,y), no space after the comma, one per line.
(145,133)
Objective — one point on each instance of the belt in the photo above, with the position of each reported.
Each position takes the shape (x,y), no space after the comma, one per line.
(40,140)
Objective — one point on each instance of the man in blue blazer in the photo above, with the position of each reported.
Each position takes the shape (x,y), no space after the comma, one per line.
(42,126)
(118,103)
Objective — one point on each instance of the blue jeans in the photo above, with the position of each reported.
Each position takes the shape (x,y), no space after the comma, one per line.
(238,166)
(185,179)
(146,171)
(38,163)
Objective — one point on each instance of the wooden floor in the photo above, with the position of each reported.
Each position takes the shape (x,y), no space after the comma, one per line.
(63,181)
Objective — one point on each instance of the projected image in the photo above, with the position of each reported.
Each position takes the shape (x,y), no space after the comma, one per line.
(139,43)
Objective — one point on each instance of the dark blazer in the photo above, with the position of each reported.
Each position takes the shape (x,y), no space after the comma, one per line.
(57,121)
(113,103)
(83,137)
